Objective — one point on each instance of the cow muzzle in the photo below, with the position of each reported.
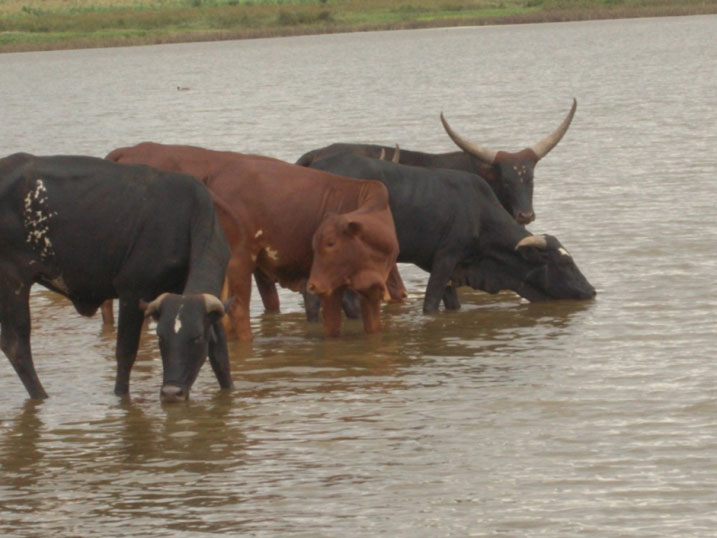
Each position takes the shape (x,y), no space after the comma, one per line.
(524,217)
(173,393)
(316,288)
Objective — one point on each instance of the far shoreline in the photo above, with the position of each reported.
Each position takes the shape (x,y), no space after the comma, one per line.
(196,36)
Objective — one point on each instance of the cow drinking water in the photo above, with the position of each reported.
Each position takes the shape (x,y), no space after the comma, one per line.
(450,224)
(91,230)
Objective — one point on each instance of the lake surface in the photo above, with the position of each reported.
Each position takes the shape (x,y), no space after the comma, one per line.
(506,418)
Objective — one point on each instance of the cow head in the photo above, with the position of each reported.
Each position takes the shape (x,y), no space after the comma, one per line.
(344,257)
(185,330)
(512,173)
(538,268)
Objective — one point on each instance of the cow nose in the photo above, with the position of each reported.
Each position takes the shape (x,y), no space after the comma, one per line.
(525,217)
(172,393)
(311,287)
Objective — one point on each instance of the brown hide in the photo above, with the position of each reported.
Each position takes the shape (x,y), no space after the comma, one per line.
(355,250)
(269,210)
(198,162)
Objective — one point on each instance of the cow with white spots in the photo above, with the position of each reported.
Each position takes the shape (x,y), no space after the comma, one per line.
(92,230)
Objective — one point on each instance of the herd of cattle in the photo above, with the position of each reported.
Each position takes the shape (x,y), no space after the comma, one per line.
(139,227)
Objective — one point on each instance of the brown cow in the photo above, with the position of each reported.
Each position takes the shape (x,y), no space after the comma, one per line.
(353,251)
(199,164)
(278,207)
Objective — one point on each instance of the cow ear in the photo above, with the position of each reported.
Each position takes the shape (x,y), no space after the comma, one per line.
(354,228)
(533,248)
(532,254)
(216,315)
(488,172)
(215,307)
(150,309)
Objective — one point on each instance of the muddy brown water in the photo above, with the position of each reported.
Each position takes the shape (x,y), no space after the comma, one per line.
(508,418)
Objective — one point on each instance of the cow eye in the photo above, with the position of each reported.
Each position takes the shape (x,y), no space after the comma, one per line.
(330,243)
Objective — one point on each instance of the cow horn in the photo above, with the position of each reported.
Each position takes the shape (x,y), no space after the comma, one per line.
(484,154)
(153,307)
(538,241)
(382,156)
(396,154)
(542,148)
(213,304)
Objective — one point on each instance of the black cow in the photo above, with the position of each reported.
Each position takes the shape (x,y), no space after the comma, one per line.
(90,230)
(510,175)
(450,224)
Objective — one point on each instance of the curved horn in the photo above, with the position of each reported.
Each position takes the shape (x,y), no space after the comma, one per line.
(382,156)
(484,154)
(543,147)
(152,308)
(396,154)
(213,304)
(538,241)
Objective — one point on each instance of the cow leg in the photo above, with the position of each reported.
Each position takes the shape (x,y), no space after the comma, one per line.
(239,281)
(351,304)
(267,290)
(108,315)
(129,328)
(396,288)
(15,337)
(437,282)
(371,310)
(450,298)
(219,356)
(331,310)
(312,304)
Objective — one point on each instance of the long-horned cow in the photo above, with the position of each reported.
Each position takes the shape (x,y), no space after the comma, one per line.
(452,226)
(510,174)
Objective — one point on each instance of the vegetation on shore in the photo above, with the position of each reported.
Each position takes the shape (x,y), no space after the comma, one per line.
(57,24)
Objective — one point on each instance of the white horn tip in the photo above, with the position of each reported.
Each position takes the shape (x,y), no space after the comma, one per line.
(538,241)
(213,304)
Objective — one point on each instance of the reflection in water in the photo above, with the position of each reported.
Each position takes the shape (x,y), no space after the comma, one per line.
(20,467)
(154,465)
(486,324)
(19,439)
(169,464)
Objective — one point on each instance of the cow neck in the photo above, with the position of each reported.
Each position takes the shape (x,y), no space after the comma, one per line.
(209,254)
(373,196)
(501,228)
(338,197)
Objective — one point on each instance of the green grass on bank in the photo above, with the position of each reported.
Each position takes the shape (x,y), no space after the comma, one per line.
(54,24)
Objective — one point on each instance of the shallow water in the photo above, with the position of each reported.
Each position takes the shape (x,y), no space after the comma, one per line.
(509,418)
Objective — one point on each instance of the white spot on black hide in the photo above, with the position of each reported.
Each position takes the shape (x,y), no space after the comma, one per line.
(36,219)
